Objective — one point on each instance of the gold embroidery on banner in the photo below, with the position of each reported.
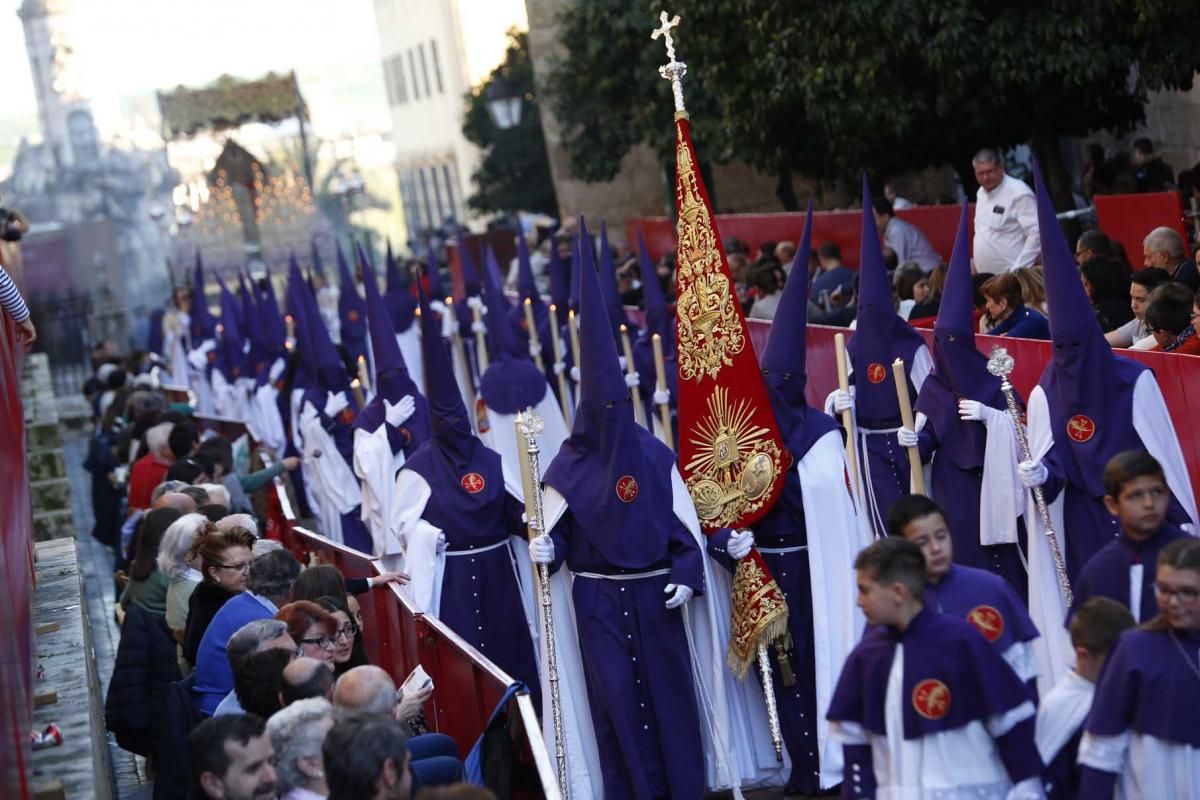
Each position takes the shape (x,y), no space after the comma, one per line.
(759,614)
(709,331)
(734,468)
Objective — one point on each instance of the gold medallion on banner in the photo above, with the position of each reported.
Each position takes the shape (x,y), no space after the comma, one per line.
(709,330)
(735,464)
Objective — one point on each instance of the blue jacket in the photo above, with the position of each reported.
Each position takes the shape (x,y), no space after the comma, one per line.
(1024,323)
(214,676)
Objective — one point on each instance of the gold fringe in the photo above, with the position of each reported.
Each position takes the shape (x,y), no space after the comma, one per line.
(774,628)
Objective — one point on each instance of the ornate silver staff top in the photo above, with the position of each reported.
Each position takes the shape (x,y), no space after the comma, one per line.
(1000,363)
(673,70)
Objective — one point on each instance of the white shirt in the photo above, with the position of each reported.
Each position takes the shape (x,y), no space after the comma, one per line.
(910,244)
(1132,332)
(1006,227)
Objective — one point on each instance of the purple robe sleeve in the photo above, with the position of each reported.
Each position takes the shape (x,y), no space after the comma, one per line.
(687,564)
(927,443)
(1019,752)
(559,534)
(1056,479)
(1096,782)
(718,548)
(859,772)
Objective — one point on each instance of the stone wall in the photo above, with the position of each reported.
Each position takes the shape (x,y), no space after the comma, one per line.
(48,484)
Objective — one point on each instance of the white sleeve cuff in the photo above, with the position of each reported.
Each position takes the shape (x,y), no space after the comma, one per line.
(1105,753)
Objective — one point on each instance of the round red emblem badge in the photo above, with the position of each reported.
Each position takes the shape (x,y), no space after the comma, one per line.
(931,699)
(352,315)
(988,621)
(627,489)
(473,482)
(876,373)
(1081,428)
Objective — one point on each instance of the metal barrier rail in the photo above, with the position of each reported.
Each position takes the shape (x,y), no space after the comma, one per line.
(398,638)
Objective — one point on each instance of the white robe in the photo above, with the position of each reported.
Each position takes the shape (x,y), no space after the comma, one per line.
(409,343)
(501,436)
(1149,768)
(1062,712)
(377,466)
(176,324)
(1047,606)
(737,745)
(335,486)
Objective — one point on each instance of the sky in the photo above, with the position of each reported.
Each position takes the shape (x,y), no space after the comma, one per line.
(127,49)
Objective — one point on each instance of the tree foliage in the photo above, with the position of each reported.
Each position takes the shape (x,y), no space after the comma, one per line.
(514,171)
(829,89)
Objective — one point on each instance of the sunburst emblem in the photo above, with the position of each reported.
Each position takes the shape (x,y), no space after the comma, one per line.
(736,461)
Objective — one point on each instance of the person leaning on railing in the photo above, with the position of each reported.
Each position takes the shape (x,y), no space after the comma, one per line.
(12,302)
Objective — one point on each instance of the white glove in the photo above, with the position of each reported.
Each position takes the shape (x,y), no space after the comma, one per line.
(1032,473)
(397,414)
(197,359)
(559,368)
(679,594)
(277,369)
(447,323)
(335,404)
(535,349)
(1028,789)
(478,327)
(842,401)
(476,302)
(661,398)
(441,543)
(739,545)
(632,379)
(541,550)
(971,411)
(906,437)
(575,374)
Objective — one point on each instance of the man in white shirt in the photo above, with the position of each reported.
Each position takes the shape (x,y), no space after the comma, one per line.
(1006,230)
(905,239)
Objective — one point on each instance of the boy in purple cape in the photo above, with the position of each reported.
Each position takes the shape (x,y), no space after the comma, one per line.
(1089,405)
(925,707)
(456,521)
(1142,737)
(352,310)
(976,596)
(964,429)
(658,321)
(1061,714)
(880,337)
(1135,492)
(389,428)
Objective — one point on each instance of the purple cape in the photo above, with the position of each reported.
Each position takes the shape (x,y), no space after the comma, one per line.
(984,600)
(1106,574)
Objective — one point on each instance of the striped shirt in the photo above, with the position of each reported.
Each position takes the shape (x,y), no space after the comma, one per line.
(10,299)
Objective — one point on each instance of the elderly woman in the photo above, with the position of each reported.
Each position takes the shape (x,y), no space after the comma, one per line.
(224,558)
(313,628)
(1009,314)
(297,733)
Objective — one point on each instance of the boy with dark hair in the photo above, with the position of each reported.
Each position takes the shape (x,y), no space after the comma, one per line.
(1094,631)
(231,759)
(924,706)
(981,598)
(1135,492)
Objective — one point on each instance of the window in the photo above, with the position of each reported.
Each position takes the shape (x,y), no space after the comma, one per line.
(425,196)
(437,194)
(437,65)
(450,191)
(412,73)
(397,79)
(387,81)
(425,70)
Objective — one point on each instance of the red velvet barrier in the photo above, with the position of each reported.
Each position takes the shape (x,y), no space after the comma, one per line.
(1127,218)
(843,228)
(16,575)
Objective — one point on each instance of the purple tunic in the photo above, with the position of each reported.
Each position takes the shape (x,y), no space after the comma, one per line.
(984,600)
(1106,574)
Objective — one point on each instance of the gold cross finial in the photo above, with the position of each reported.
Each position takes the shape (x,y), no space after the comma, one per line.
(673,70)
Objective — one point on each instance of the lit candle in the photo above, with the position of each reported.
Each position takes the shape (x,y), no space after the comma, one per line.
(362,373)
(291,326)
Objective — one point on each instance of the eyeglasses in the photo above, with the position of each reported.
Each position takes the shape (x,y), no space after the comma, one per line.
(347,631)
(1187,595)
(324,642)
(242,567)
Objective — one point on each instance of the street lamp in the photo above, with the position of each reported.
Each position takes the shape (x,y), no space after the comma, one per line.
(503,100)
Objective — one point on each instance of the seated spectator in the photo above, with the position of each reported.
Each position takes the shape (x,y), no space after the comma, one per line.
(767,291)
(1092,244)
(199,495)
(253,637)
(305,678)
(223,557)
(1169,319)
(217,495)
(835,280)
(267,587)
(903,238)
(1107,287)
(220,452)
(151,469)
(239,520)
(459,791)
(188,470)
(176,500)
(911,286)
(1134,331)
(231,759)
(148,585)
(264,546)
(927,309)
(313,628)
(184,440)
(1150,172)
(297,733)
(175,558)
(324,580)
(1165,248)
(1008,312)
(348,650)
(1033,289)
(258,681)
(215,512)
(366,758)
(371,690)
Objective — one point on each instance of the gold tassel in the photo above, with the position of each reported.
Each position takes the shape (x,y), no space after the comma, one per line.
(782,645)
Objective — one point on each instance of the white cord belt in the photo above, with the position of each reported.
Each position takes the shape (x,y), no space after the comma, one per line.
(633,576)
(477,549)
(781,550)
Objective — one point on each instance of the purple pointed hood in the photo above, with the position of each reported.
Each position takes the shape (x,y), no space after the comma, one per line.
(582,240)
(560,280)
(392,381)
(231,359)
(1089,389)
(204,325)
(298,292)
(352,309)
(433,273)
(615,476)
(527,290)
(317,267)
(251,325)
(658,315)
(783,361)
(511,382)
(401,304)
(450,426)
(959,369)
(880,336)
(328,367)
(608,285)
(470,279)
(658,320)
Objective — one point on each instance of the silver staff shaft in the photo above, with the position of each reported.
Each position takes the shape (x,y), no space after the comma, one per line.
(1001,364)
(764,668)
(529,426)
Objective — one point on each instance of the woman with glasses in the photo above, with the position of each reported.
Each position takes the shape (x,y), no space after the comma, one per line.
(1142,738)
(224,558)
(348,650)
(313,628)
